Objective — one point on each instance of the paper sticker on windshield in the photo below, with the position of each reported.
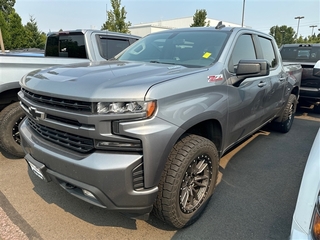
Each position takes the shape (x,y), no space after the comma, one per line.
(215,78)
(206,55)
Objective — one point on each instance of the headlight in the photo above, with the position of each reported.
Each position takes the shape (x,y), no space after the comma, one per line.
(126,107)
(316,221)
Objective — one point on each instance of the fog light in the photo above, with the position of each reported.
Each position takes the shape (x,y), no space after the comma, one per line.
(88,193)
(133,145)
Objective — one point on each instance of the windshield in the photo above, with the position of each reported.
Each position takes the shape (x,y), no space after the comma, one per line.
(302,54)
(188,48)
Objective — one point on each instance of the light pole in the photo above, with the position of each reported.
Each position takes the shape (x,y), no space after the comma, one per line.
(299,17)
(282,37)
(244,2)
(1,42)
(312,26)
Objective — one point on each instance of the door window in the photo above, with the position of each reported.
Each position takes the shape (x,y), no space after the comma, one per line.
(243,50)
(268,51)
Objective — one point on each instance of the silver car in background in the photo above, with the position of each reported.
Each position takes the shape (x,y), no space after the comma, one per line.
(306,217)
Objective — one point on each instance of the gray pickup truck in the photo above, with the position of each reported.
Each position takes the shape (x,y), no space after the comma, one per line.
(146,130)
(64,47)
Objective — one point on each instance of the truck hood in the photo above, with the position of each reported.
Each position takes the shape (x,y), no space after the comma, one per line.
(97,81)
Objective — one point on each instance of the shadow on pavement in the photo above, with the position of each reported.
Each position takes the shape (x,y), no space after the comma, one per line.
(52,193)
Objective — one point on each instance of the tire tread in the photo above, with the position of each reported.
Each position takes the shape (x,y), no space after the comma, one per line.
(168,186)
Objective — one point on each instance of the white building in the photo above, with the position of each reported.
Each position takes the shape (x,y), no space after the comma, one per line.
(144,29)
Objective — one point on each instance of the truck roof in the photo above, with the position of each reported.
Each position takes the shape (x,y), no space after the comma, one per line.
(301,45)
(92,31)
(212,28)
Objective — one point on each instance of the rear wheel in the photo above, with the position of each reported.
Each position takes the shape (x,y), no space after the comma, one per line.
(10,118)
(187,181)
(288,115)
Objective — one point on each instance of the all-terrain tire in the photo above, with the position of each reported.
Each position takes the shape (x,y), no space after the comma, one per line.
(10,118)
(284,125)
(187,181)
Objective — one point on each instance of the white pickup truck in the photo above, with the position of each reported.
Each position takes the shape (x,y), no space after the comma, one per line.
(65,47)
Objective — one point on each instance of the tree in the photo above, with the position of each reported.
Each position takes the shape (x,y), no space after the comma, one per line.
(116,19)
(17,32)
(33,35)
(4,30)
(199,19)
(6,7)
(283,34)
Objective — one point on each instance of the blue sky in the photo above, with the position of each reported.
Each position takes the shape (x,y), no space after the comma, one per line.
(259,14)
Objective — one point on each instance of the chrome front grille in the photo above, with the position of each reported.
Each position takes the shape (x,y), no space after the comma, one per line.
(67,140)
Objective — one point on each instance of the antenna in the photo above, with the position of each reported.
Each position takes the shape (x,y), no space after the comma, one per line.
(220,25)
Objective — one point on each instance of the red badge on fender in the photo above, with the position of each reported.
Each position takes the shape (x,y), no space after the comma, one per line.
(215,78)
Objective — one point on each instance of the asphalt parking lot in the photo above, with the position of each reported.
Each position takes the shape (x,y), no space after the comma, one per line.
(255,198)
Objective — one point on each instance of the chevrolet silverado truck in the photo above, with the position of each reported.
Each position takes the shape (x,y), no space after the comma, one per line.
(307,56)
(146,130)
(61,48)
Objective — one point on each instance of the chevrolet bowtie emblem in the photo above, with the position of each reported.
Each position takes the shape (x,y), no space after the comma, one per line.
(35,113)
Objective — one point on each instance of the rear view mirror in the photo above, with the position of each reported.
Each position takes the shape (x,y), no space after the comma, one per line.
(316,69)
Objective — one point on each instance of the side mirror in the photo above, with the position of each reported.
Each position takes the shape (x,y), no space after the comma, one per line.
(316,69)
(250,68)
(253,68)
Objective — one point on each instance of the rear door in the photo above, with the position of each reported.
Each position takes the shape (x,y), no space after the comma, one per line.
(274,99)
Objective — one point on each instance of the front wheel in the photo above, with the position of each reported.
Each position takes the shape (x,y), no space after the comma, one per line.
(187,181)
(10,118)
(284,125)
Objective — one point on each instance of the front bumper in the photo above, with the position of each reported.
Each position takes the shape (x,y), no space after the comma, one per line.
(109,176)
(311,95)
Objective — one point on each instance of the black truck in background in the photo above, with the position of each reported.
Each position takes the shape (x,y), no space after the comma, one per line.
(307,55)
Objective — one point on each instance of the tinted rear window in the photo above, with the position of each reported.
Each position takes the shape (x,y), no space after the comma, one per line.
(69,45)
(300,54)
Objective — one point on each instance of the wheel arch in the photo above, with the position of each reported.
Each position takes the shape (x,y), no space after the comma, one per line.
(9,94)
(208,128)
(296,91)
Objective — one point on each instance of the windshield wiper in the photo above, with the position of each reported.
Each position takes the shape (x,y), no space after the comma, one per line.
(155,61)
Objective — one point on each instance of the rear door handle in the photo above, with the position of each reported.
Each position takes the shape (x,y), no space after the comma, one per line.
(262,84)
(282,79)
